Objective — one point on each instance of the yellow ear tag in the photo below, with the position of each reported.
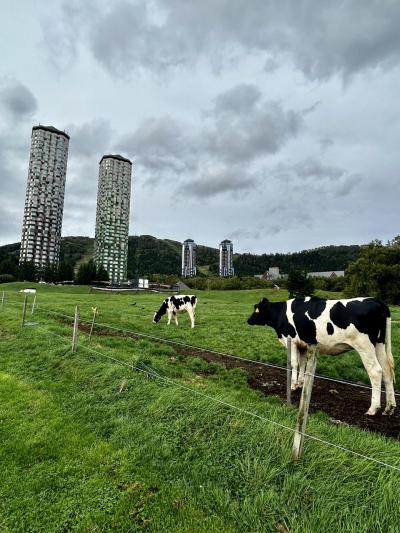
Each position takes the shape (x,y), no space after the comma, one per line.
(257,310)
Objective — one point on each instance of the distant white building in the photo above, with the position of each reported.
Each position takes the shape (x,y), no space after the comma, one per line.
(327,274)
(226,259)
(189,258)
(270,274)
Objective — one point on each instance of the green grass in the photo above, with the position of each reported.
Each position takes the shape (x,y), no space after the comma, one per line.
(89,445)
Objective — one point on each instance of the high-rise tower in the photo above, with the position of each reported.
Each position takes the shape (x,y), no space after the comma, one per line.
(226,258)
(44,203)
(189,258)
(112,217)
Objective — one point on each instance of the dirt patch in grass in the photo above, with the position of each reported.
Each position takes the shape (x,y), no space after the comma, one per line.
(344,403)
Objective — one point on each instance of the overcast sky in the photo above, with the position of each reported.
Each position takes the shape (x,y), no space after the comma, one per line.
(274,124)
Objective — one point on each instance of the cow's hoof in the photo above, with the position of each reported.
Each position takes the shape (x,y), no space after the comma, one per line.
(372,411)
(389,410)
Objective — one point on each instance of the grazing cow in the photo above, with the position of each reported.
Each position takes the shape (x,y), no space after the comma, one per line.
(28,291)
(334,327)
(176,304)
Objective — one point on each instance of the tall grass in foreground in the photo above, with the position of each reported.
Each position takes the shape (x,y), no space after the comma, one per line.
(88,445)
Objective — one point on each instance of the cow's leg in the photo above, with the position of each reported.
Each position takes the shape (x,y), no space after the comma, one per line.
(374,370)
(387,378)
(191,315)
(302,367)
(169,317)
(176,318)
(294,361)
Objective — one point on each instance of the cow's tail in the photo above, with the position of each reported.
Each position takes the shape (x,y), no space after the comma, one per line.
(388,345)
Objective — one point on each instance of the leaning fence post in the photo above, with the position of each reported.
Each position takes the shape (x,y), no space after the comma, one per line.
(24,311)
(94,309)
(33,304)
(75,332)
(288,371)
(304,404)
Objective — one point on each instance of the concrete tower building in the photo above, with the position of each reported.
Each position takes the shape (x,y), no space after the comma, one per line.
(44,203)
(226,259)
(112,217)
(189,258)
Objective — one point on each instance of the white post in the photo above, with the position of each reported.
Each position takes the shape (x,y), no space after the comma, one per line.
(33,304)
(304,404)
(94,309)
(289,372)
(24,311)
(75,332)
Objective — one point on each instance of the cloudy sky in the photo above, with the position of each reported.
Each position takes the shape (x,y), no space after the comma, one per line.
(274,124)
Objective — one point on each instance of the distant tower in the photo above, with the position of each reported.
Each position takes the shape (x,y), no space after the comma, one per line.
(226,259)
(112,217)
(44,203)
(189,258)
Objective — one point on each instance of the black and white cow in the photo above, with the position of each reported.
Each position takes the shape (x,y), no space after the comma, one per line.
(176,304)
(335,326)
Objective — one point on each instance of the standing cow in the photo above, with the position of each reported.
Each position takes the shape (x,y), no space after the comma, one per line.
(334,327)
(176,304)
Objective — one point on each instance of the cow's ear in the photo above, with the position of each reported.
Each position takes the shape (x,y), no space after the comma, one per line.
(265,300)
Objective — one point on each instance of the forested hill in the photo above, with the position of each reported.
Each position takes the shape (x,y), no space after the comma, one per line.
(149,255)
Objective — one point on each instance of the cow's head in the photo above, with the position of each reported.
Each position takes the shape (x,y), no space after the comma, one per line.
(160,313)
(260,314)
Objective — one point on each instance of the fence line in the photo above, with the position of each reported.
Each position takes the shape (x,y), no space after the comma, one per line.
(154,374)
(208,350)
(170,381)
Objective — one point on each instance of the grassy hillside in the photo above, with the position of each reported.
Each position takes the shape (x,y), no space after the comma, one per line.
(90,445)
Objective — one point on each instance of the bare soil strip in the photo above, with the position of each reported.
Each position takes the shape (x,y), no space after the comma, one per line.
(345,404)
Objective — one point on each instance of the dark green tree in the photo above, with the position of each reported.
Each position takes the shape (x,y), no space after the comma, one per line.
(376,272)
(27,271)
(102,274)
(299,284)
(65,272)
(86,273)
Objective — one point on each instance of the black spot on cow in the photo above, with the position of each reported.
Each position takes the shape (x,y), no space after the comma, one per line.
(186,299)
(193,300)
(304,314)
(368,316)
(330,329)
(177,302)
(339,316)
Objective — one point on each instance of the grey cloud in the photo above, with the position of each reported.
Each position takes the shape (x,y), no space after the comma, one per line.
(321,38)
(240,127)
(318,178)
(90,139)
(246,127)
(17,99)
(220,181)
(271,65)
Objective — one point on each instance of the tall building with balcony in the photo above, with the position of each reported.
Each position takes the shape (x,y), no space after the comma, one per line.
(226,259)
(44,202)
(112,216)
(189,268)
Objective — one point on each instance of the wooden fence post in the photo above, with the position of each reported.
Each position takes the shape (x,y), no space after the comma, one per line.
(24,311)
(289,372)
(75,332)
(304,404)
(33,304)
(94,309)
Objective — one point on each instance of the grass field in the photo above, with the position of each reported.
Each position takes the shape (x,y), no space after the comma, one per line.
(90,445)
